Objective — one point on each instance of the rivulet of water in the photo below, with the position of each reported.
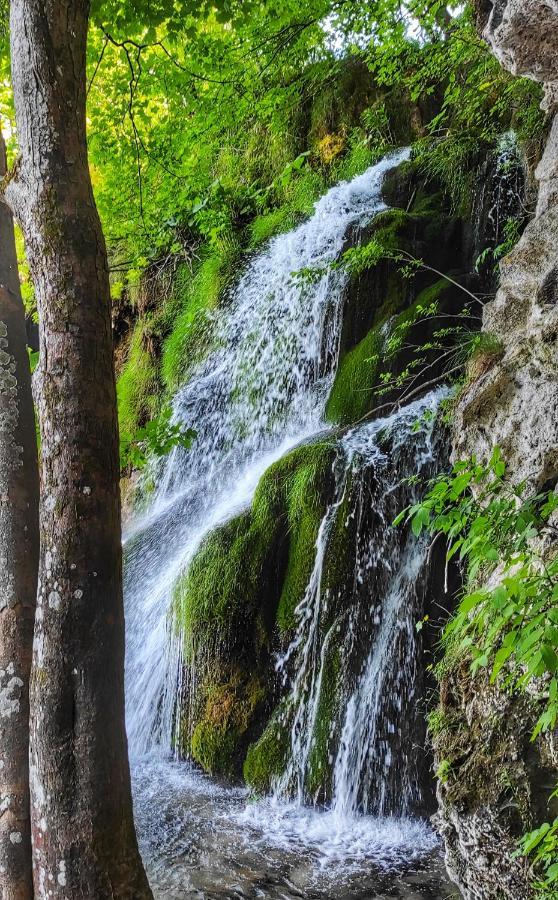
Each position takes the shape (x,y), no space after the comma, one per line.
(376,722)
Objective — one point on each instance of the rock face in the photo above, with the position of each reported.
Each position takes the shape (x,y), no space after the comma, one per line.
(501,781)
(514,402)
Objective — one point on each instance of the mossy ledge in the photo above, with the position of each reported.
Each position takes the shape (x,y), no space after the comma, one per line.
(382,302)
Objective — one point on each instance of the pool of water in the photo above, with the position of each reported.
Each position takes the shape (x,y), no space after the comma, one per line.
(203,839)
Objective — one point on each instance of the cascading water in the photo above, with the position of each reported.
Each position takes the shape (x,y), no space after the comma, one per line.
(261,391)
(375,728)
(499,201)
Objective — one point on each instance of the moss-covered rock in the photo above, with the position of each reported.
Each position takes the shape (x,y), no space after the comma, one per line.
(494,781)
(219,738)
(239,594)
(383,321)
(358,385)
(266,758)
(219,593)
(324,745)
(354,389)
(306,478)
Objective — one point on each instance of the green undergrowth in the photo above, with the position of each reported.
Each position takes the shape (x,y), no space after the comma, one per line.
(168,342)
(500,647)
(297,202)
(199,297)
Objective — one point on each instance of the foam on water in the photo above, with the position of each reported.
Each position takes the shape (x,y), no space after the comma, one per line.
(338,844)
(201,839)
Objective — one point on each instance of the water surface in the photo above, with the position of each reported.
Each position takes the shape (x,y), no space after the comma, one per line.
(205,840)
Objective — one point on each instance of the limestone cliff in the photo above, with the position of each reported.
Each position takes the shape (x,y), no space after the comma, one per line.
(500,781)
(514,403)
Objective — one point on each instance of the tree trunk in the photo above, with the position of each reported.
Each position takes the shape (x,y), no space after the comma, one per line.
(19,560)
(84,843)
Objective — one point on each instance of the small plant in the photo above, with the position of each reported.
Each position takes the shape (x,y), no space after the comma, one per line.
(443,771)
(493,255)
(542,846)
(154,440)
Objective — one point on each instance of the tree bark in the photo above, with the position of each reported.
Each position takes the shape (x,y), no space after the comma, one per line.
(84,843)
(19,560)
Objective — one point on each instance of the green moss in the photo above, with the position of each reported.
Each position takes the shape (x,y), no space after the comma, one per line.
(341,100)
(246,579)
(138,386)
(266,759)
(299,485)
(197,295)
(219,595)
(229,582)
(354,387)
(219,736)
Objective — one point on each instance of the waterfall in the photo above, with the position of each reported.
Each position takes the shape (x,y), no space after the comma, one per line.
(375,731)
(261,391)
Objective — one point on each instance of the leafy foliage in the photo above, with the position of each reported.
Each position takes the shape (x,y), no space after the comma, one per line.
(507,618)
(157,438)
(541,845)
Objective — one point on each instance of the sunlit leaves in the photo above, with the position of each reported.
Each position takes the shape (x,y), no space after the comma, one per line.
(510,623)
(155,440)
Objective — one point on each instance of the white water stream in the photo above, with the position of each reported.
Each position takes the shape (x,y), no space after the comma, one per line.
(260,392)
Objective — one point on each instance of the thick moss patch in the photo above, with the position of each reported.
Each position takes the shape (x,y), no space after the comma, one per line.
(353,391)
(218,738)
(241,590)
(307,477)
(218,597)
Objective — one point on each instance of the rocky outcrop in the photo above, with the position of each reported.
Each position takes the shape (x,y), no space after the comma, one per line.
(514,402)
(500,782)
